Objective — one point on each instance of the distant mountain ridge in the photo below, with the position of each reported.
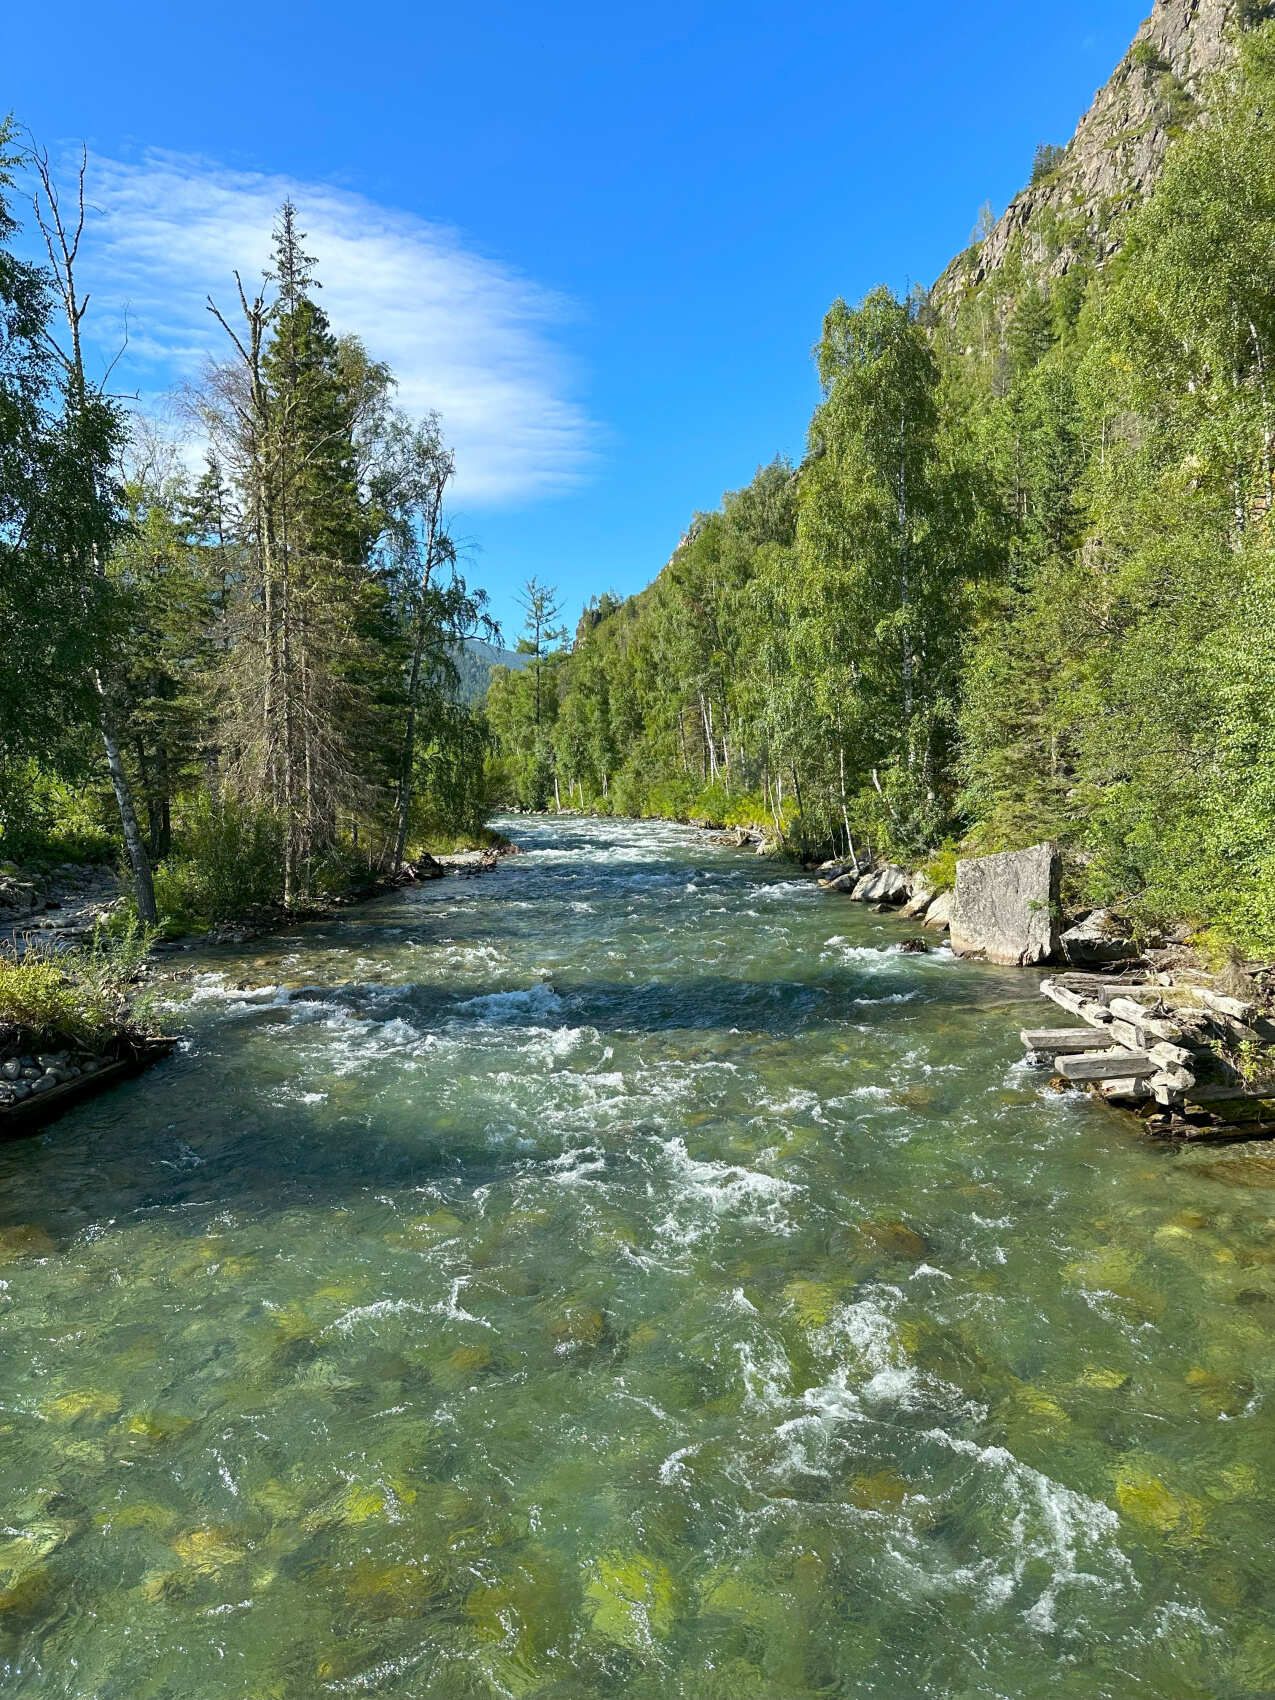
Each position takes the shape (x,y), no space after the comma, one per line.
(475,658)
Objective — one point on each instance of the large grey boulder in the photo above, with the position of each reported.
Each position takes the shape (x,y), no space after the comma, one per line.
(843,882)
(1006,906)
(886,885)
(922,895)
(938,916)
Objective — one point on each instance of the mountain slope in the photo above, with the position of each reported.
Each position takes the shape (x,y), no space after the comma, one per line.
(1069,215)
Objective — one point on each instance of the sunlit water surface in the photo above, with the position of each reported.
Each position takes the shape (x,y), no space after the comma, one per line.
(627,1275)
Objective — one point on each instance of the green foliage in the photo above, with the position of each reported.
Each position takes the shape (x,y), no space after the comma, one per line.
(46,820)
(228,863)
(1020,587)
(1144,55)
(1047,160)
(85,997)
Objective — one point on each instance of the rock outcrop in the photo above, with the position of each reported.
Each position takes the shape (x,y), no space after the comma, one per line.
(886,885)
(1071,212)
(1097,940)
(1007,906)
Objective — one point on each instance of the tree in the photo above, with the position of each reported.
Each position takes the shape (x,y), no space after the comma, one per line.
(540,604)
(84,509)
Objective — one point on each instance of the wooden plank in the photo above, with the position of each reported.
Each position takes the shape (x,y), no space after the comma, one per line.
(1155,1026)
(1058,1041)
(1125,1091)
(1107,1065)
(1089,1009)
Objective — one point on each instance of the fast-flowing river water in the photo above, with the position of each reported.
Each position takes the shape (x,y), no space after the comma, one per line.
(627,1275)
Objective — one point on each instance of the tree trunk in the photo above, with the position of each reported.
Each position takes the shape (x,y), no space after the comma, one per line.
(143,884)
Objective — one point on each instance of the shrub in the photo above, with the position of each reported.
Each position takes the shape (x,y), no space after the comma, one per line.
(229,861)
(44,821)
(85,996)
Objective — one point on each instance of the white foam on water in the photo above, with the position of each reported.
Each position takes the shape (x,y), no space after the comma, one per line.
(707,1191)
(452,1308)
(1075,1536)
(839,949)
(574,1168)
(351,1319)
(538,1000)
(766,1372)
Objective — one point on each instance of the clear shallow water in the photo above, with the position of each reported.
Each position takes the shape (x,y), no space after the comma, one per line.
(627,1275)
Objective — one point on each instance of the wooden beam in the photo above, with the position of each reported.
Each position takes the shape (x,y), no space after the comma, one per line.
(1089,1009)
(1058,1041)
(1108,1065)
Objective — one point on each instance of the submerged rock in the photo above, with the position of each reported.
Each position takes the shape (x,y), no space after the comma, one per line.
(895,1239)
(632,1599)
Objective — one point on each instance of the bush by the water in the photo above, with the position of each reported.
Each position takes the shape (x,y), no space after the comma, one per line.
(229,862)
(84,997)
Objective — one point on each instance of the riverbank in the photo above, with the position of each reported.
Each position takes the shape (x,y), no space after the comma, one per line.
(74,983)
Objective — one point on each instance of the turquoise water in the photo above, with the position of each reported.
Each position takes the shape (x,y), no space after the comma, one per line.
(627,1275)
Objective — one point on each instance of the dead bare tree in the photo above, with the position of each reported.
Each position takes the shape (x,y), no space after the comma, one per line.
(63,233)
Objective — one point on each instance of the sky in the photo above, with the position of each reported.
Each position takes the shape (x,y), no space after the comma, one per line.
(600,241)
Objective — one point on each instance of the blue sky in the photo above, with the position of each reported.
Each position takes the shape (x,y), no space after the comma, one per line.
(599,239)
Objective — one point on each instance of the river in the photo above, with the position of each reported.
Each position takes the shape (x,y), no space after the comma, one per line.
(627,1275)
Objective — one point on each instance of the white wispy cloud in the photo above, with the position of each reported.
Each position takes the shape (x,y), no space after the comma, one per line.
(465,335)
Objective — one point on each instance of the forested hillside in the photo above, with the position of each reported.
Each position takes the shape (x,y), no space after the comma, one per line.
(244,677)
(1022,583)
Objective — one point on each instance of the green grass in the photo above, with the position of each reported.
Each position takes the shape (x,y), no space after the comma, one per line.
(82,997)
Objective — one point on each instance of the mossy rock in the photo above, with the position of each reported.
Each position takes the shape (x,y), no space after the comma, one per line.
(632,1599)
(157,1427)
(1098,1379)
(381,1591)
(26,1240)
(1105,1268)
(279,1500)
(725,1593)
(209,1550)
(90,1404)
(529,1611)
(884,1490)
(1215,1395)
(579,1325)
(1145,1499)
(438,1225)
(893,1239)
(460,1367)
(140,1514)
(1038,1406)
(27,1595)
(812,1301)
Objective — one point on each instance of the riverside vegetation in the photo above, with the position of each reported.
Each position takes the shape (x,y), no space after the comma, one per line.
(244,684)
(1022,584)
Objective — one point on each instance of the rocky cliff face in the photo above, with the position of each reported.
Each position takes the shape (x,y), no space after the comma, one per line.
(1117,150)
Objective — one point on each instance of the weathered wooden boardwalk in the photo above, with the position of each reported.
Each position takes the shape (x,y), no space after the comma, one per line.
(1195,1060)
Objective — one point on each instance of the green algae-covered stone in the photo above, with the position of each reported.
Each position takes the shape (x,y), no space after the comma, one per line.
(631,1599)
